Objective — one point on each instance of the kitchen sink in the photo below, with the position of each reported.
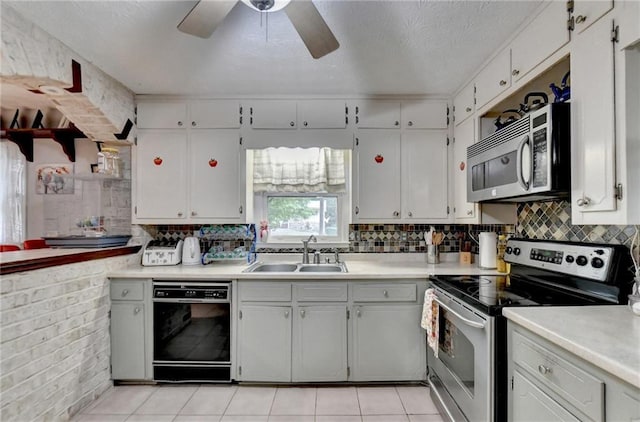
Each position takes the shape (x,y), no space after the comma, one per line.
(263,267)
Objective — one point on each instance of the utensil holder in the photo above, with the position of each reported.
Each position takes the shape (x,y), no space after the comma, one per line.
(433,254)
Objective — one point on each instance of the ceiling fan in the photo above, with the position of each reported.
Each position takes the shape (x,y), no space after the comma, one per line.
(206,15)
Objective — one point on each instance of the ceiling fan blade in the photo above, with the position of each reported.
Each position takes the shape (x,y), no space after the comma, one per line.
(313,30)
(205,17)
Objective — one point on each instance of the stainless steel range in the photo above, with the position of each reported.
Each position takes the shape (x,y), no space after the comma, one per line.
(468,379)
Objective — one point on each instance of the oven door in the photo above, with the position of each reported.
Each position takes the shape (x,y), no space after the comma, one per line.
(463,370)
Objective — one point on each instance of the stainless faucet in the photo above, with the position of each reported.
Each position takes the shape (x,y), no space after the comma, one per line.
(305,248)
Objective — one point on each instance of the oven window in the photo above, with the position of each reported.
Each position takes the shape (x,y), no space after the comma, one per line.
(192,332)
(456,352)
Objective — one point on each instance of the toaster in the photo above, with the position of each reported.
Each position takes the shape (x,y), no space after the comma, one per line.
(162,252)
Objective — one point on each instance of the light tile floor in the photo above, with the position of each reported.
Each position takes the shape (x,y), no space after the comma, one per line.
(233,403)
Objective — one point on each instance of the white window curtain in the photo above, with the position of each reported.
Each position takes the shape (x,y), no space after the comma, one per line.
(302,170)
(12,193)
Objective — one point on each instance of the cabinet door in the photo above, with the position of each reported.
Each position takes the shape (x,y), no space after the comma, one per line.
(399,354)
(216,188)
(264,343)
(161,188)
(549,30)
(273,114)
(529,403)
(424,115)
(322,114)
(494,78)
(593,140)
(587,12)
(464,104)
(162,115)
(320,343)
(376,114)
(378,175)
(214,114)
(464,136)
(127,341)
(424,174)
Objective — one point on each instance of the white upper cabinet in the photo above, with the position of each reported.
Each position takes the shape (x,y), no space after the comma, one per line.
(424,114)
(464,104)
(162,115)
(322,114)
(377,114)
(541,38)
(494,78)
(273,114)
(214,114)
(587,12)
(466,212)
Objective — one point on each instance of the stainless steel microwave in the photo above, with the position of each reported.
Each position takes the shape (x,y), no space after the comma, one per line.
(529,160)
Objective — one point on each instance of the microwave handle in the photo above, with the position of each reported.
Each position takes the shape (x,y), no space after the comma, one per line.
(525,184)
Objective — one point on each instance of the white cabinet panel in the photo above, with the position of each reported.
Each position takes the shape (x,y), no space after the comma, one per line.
(161,175)
(593,142)
(127,341)
(549,30)
(424,174)
(378,174)
(320,343)
(464,104)
(214,114)
(215,186)
(493,79)
(587,12)
(264,343)
(161,115)
(424,114)
(464,136)
(378,114)
(273,114)
(322,114)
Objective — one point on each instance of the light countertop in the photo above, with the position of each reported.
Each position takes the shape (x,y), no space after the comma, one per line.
(359,266)
(606,336)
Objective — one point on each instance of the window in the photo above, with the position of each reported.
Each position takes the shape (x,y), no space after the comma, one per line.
(300,192)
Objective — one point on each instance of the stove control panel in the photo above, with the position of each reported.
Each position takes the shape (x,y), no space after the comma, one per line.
(582,260)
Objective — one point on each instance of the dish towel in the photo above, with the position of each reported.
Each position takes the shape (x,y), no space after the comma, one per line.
(430,319)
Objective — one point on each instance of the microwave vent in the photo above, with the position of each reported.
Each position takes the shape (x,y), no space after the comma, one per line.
(513,131)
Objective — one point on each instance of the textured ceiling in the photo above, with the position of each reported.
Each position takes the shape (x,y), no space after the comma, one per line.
(386,47)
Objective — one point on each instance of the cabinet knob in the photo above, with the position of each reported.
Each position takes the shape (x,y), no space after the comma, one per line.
(469,212)
(305,123)
(385,293)
(180,123)
(302,313)
(193,124)
(397,123)
(544,370)
(580,19)
(468,109)
(292,124)
(286,314)
(136,311)
(125,292)
(396,214)
(503,82)
(583,202)
(410,123)
(193,213)
(180,214)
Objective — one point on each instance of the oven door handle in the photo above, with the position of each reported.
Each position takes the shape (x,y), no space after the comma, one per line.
(467,321)
(520,157)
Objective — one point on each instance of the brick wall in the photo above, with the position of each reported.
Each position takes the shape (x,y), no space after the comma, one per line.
(54,339)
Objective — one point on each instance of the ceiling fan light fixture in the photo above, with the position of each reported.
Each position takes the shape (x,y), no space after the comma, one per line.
(266,5)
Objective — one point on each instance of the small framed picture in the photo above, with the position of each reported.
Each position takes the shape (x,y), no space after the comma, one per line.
(52,179)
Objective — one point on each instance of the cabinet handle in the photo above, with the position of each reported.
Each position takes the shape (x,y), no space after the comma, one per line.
(503,82)
(292,124)
(305,124)
(136,311)
(396,214)
(410,214)
(193,124)
(544,370)
(581,19)
(583,202)
(125,292)
(410,123)
(180,123)
(180,214)
(468,109)
(193,213)
(397,123)
(515,72)
(469,212)
(286,314)
(385,293)
(302,313)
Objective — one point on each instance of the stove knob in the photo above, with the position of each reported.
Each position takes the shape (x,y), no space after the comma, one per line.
(570,259)
(516,251)
(582,260)
(508,250)
(597,263)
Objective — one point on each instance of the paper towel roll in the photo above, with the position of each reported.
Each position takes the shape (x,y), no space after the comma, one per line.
(488,249)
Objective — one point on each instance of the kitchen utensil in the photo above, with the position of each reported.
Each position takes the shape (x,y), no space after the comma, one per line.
(540,99)
(506,118)
(563,92)
(488,249)
(191,251)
